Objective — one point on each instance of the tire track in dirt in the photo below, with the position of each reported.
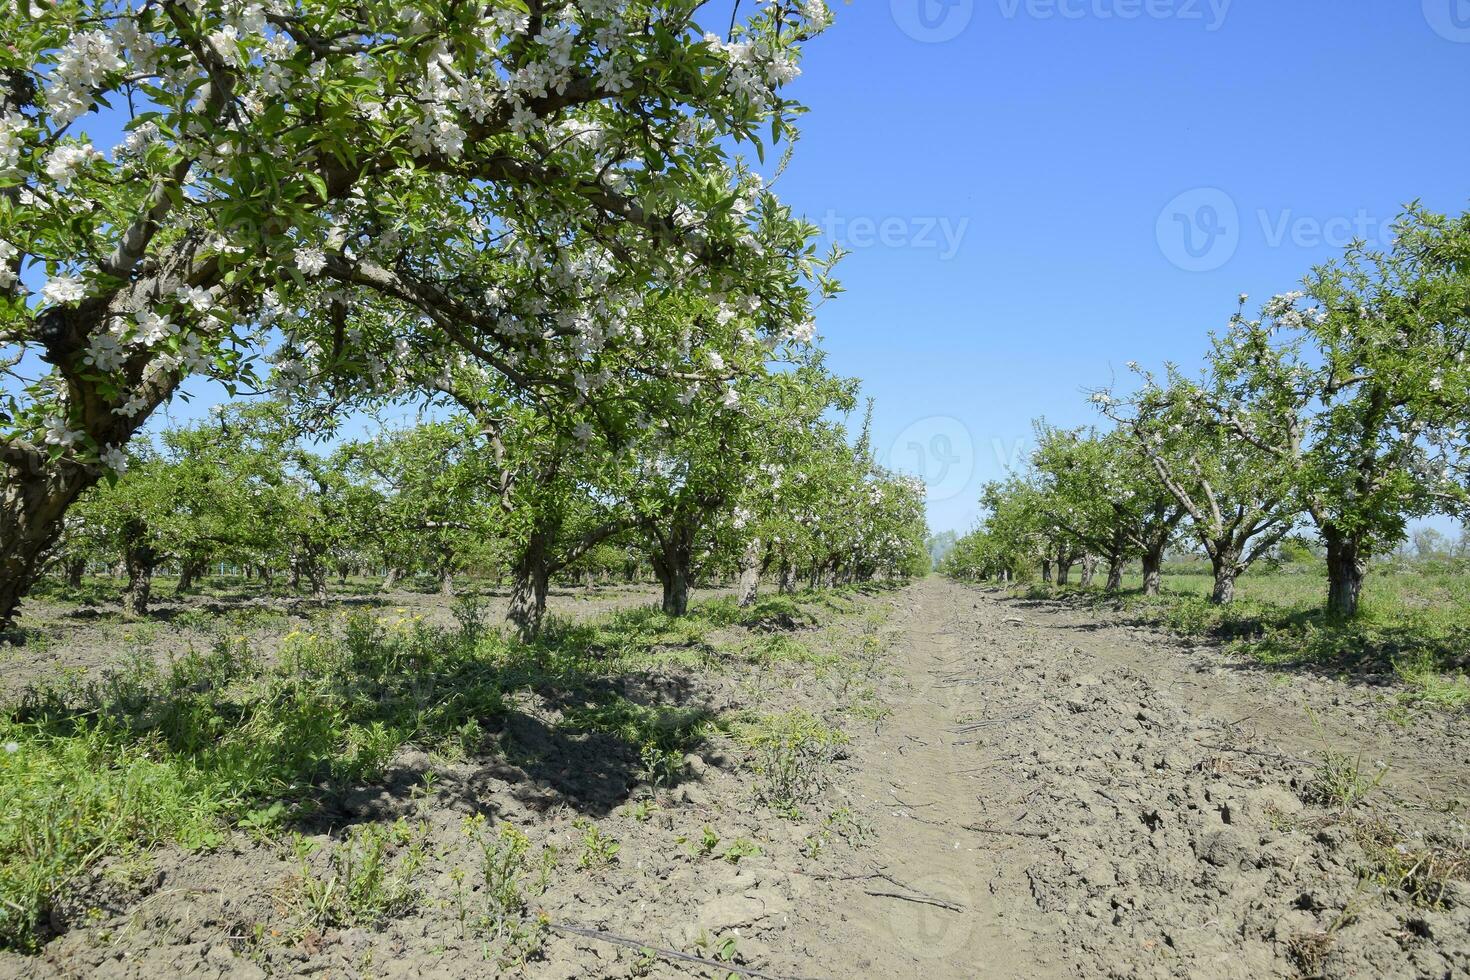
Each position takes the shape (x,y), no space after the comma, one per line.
(917,782)
(1087,805)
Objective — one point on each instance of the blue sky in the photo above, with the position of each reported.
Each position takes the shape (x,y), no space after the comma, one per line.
(1018,187)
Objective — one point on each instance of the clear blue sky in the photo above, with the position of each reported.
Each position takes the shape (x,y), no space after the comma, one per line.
(1051,138)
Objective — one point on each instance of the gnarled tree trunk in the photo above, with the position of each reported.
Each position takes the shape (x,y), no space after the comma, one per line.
(139,559)
(1346,566)
(750,573)
(1046,570)
(188,571)
(530,580)
(1089,569)
(1153,564)
(391,579)
(676,585)
(1115,572)
(33,499)
(1225,562)
(75,569)
(786,578)
(316,573)
(673,562)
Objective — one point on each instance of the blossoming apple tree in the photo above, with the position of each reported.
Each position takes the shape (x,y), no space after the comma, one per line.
(342,189)
(1358,384)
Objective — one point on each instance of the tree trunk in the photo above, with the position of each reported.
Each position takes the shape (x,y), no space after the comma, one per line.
(1046,570)
(391,579)
(316,573)
(32,504)
(140,581)
(1089,568)
(676,591)
(787,579)
(1346,566)
(188,570)
(750,573)
(530,580)
(1226,565)
(446,581)
(75,569)
(674,564)
(1153,563)
(1115,572)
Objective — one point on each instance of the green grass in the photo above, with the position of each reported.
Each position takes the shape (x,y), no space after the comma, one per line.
(1415,623)
(146,754)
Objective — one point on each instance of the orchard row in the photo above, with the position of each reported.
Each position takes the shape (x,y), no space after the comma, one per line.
(1343,409)
(790,499)
(556,219)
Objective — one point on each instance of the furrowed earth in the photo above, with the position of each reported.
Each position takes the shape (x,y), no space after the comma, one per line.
(929,780)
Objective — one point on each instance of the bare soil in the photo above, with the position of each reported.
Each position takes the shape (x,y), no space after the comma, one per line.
(1051,793)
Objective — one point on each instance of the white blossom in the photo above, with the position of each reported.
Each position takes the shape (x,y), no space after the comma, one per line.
(115,459)
(64,162)
(105,353)
(11,126)
(200,299)
(310,260)
(7,274)
(129,409)
(81,68)
(153,328)
(62,290)
(58,433)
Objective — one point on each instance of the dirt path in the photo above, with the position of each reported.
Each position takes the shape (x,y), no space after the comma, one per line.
(917,782)
(1080,799)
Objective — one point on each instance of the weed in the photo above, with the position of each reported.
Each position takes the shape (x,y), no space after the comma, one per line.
(705,846)
(1308,952)
(1428,686)
(841,822)
(1340,781)
(1421,869)
(363,884)
(793,755)
(263,822)
(599,851)
(501,915)
(740,848)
